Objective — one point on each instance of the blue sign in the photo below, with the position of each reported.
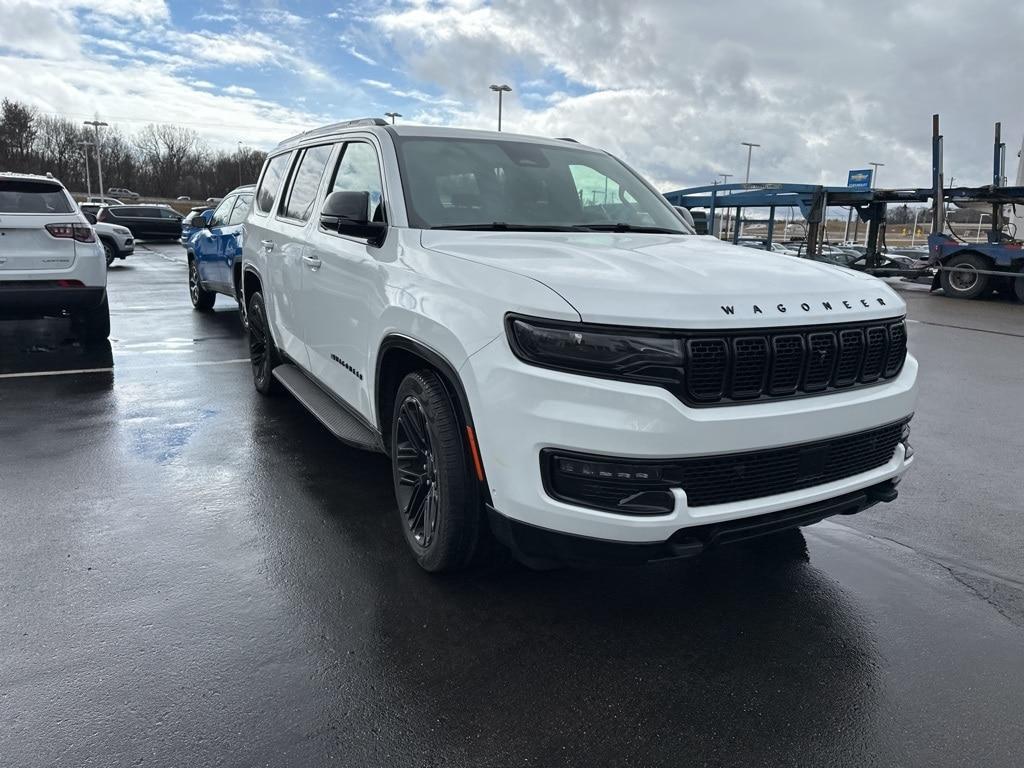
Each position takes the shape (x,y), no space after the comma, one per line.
(859,179)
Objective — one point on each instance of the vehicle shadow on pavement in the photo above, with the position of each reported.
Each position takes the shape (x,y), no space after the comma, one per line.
(749,644)
(49,346)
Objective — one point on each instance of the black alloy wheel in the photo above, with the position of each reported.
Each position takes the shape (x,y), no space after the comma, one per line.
(262,353)
(202,299)
(438,497)
(416,468)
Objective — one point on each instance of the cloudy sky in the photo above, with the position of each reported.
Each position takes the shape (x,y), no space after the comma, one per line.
(671,86)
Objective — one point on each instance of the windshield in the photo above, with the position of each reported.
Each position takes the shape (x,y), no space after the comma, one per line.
(493,184)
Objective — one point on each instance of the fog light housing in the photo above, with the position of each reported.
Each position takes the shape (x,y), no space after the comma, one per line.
(610,486)
(908,449)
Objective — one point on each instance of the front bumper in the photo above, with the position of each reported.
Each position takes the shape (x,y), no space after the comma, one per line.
(520,410)
(530,543)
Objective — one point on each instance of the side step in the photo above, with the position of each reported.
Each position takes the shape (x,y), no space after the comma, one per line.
(343,424)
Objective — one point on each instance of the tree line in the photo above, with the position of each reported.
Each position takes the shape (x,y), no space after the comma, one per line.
(160,160)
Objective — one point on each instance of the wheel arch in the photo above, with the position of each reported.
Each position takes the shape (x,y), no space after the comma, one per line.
(251,281)
(400,355)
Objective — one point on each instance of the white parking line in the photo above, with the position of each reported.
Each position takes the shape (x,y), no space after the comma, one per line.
(76,371)
(73,372)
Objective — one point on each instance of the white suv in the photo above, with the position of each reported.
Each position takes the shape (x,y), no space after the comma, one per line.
(51,263)
(551,357)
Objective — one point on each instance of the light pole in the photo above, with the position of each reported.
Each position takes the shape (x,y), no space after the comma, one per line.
(392,115)
(500,90)
(99,164)
(750,150)
(239,163)
(88,177)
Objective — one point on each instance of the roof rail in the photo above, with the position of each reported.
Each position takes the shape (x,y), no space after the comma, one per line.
(566,138)
(327,129)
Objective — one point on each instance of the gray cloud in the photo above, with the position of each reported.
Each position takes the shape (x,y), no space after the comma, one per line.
(674,87)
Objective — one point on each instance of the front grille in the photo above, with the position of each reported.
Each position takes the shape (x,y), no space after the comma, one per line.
(629,486)
(740,476)
(722,369)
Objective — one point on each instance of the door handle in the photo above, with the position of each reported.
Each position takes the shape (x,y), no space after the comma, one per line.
(268,245)
(312,262)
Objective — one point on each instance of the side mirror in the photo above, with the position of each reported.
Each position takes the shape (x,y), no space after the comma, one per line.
(91,218)
(687,216)
(347,213)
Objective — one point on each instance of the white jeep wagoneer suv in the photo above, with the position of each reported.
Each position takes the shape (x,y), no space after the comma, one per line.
(553,359)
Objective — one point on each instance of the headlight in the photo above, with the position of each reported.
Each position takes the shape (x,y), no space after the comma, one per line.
(122,230)
(643,356)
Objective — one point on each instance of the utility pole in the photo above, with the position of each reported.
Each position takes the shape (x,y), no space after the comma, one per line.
(750,150)
(392,115)
(500,90)
(88,177)
(239,163)
(99,149)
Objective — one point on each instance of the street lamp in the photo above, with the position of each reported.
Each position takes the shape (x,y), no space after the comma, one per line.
(392,115)
(88,177)
(99,165)
(750,149)
(239,163)
(500,90)
(725,177)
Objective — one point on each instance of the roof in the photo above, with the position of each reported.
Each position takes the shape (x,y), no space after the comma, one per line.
(29,177)
(375,125)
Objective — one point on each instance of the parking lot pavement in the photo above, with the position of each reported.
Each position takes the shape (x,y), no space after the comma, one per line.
(194,575)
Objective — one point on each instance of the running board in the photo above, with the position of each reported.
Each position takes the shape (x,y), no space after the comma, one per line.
(341,422)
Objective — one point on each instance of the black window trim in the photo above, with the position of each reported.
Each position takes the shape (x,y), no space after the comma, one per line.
(282,204)
(345,141)
(259,183)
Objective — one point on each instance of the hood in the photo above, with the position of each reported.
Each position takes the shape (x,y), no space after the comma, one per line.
(676,281)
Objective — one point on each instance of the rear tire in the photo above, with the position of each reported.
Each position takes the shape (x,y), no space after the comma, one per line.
(967,284)
(262,353)
(93,325)
(1018,286)
(202,299)
(438,503)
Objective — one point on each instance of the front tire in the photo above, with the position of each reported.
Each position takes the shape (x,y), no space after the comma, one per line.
(438,506)
(1018,286)
(109,252)
(262,353)
(202,299)
(968,283)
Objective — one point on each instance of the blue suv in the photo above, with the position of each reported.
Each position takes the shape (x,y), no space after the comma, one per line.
(192,222)
(213,251)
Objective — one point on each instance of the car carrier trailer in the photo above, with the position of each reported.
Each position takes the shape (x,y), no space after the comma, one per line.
(962,269)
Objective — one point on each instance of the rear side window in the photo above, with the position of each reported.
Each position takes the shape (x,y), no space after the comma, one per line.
(270,182)
(306,182)
(21,196)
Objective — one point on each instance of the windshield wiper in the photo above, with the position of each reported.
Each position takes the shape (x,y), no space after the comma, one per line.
(621,227)
(502,226)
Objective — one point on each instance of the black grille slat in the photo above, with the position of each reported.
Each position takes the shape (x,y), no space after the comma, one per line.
(821,361)
(756,474)
(877,348)
(749,366)
(787,364)
(851,352)
(728,367)
(897,350)
(707,364)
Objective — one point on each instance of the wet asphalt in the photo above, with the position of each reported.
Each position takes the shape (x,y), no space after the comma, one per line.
(192,575)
